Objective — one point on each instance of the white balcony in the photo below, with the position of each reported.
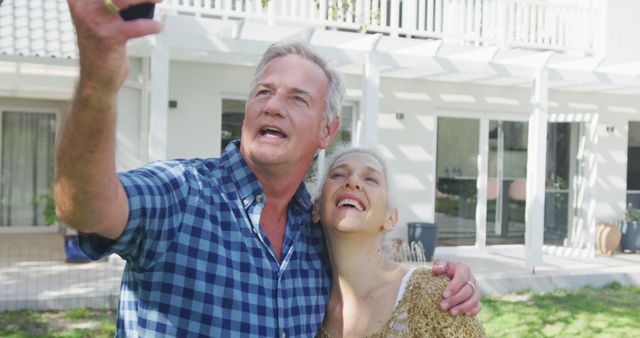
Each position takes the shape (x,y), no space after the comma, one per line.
(561,26)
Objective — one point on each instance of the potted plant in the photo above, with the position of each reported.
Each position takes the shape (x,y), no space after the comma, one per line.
(71,241)
(631,230)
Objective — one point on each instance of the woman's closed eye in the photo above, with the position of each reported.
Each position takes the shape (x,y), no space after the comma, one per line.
(372,179)
(337,174)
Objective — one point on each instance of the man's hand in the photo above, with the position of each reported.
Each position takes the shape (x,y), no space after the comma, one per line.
(87,191)
(102,37)
(461,295)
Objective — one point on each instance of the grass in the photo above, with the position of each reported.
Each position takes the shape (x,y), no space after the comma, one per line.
(612,311)
(75,323)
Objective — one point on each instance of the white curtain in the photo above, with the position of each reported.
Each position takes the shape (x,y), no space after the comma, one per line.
(27,166)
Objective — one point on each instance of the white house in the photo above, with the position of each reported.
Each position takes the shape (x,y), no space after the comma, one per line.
(511,124)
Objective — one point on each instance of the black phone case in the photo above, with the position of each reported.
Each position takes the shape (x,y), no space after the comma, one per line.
(141,11)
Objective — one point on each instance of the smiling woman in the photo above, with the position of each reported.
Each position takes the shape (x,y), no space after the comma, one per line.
(390,299)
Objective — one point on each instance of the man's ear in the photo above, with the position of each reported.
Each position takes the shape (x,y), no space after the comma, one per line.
(315,213)
(392,219)
(329,130)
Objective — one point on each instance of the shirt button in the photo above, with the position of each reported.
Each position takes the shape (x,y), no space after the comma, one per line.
(259,198)
(245,202)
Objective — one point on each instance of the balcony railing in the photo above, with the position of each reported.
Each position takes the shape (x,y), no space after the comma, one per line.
(526,24)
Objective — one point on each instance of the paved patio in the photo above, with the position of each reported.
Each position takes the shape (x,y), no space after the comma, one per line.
(499,274)
(33,274)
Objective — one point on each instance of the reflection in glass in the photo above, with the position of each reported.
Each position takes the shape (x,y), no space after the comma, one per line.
(633,165)
(506,193)
(562,164)
(232,117)
(456,172)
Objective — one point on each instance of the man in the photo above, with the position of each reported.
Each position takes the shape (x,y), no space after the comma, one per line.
(214,247)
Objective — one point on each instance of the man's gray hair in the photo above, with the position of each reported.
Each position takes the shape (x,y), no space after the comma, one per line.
(335,95)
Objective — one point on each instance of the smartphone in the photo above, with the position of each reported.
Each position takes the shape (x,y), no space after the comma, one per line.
(140,11)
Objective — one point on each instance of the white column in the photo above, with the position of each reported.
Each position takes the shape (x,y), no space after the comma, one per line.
(370,102)
(536,169)
(591,182)
(481,184)
(158,101)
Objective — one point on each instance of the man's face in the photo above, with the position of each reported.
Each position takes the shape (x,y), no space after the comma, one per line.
(284,117)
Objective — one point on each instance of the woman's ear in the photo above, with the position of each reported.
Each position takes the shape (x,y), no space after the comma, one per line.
(315,213)
(392,219)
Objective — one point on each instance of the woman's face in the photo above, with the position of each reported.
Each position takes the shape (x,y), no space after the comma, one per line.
(354,196)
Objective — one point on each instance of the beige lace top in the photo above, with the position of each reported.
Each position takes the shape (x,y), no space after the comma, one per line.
(417,314)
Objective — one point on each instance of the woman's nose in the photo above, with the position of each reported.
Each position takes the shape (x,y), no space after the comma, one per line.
(353,182)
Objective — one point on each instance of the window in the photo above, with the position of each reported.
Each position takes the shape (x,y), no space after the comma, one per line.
(232,117)
(633,165)
(27,166)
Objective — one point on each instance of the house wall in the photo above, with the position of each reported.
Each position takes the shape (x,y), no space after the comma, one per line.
(130,135)
(409,144)
(195,125)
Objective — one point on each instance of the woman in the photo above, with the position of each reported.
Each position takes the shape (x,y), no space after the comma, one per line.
(371,295)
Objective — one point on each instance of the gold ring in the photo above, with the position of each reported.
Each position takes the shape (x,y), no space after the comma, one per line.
(111,7)
(473,287)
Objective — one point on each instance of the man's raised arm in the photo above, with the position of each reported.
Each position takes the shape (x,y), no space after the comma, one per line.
(88,194)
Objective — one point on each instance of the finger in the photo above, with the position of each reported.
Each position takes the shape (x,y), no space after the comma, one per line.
(439,267)
(474,311)
(470,301)
(138,28)
(457,298)
(459,275)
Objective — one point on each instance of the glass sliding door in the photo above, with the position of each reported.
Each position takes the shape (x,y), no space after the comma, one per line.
(456,177)
(563,167)
(507,173)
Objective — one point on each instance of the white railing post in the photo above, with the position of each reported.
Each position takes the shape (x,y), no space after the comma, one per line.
(226,9)
(359,14)
(502,24)
(395,17)
(322,11)
(271,9)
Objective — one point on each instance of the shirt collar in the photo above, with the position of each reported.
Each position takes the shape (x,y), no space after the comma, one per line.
(246,183)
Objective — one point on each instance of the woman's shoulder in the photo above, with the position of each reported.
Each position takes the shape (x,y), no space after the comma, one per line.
(425,316)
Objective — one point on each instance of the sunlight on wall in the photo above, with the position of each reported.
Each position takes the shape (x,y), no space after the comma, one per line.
(386,154)
(415,152)
(412,96)
(457,98)
(407,182)
(622,110)
(389,121)
(502,101)
(428,122)
(582,106)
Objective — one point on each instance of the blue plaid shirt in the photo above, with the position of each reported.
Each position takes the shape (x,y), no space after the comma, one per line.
(198,262)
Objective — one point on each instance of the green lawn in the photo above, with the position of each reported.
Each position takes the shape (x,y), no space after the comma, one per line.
(613,311)
(59,324)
